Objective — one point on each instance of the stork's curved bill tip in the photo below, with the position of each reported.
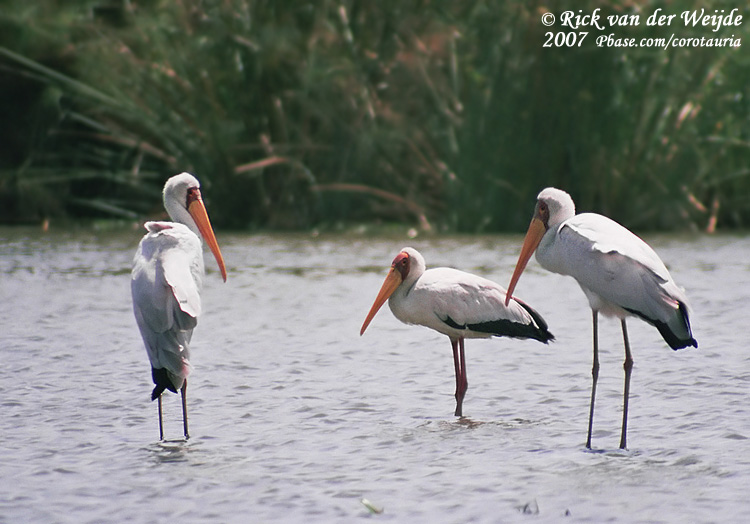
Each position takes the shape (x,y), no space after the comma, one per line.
(392,281)
(530,243)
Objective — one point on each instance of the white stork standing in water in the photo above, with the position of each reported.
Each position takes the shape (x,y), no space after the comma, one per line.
(166,283)
(454,303)
(619,273)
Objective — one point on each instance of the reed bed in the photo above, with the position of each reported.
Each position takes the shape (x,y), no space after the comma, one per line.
(298,114)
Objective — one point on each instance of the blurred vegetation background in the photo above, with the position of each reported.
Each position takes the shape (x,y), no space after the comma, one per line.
(447,115)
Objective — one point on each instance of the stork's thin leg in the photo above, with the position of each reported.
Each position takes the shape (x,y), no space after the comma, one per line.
(464,378)
(161,426)
(457,367)
(458,363)
(628,365)
(183,391)
(594,376)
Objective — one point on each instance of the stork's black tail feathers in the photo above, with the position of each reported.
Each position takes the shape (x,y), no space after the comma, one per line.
(162,381)
(541,331)
(508,328)
(670,337)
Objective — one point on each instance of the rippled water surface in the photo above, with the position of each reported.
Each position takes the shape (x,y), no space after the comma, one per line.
(296,418)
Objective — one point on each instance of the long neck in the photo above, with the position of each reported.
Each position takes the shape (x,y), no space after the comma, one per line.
(178,213)
(566,210)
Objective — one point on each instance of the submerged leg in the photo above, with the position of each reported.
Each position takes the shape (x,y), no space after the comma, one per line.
(594,376)
(183,391)
(161,426)
(459,365)
(628,365)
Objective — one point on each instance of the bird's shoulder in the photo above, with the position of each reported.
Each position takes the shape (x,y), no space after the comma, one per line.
(603,236)
(169,230)
(455,281)
(167,238)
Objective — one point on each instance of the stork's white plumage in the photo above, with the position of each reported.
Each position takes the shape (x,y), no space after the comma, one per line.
(454,303)
(166,282)
(620,274)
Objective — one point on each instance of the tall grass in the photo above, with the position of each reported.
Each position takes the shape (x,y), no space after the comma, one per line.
(448,115)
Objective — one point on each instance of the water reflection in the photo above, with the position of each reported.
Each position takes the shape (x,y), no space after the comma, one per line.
(167,451)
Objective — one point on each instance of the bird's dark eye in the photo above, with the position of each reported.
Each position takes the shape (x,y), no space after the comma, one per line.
(193,194)
(401,264)
(542,212)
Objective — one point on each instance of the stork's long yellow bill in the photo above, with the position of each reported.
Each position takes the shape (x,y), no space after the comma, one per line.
(392,281)
(198,211)
(534,235)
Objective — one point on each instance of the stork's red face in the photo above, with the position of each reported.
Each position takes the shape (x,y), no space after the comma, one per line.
(402,264)
(399,270)
(197,210)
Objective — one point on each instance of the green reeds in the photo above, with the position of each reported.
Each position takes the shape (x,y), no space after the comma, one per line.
(445,115)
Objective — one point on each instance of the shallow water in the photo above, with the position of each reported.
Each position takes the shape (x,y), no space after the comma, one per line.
(296,418)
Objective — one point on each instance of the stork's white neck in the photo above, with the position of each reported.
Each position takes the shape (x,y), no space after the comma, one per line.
(178,213)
